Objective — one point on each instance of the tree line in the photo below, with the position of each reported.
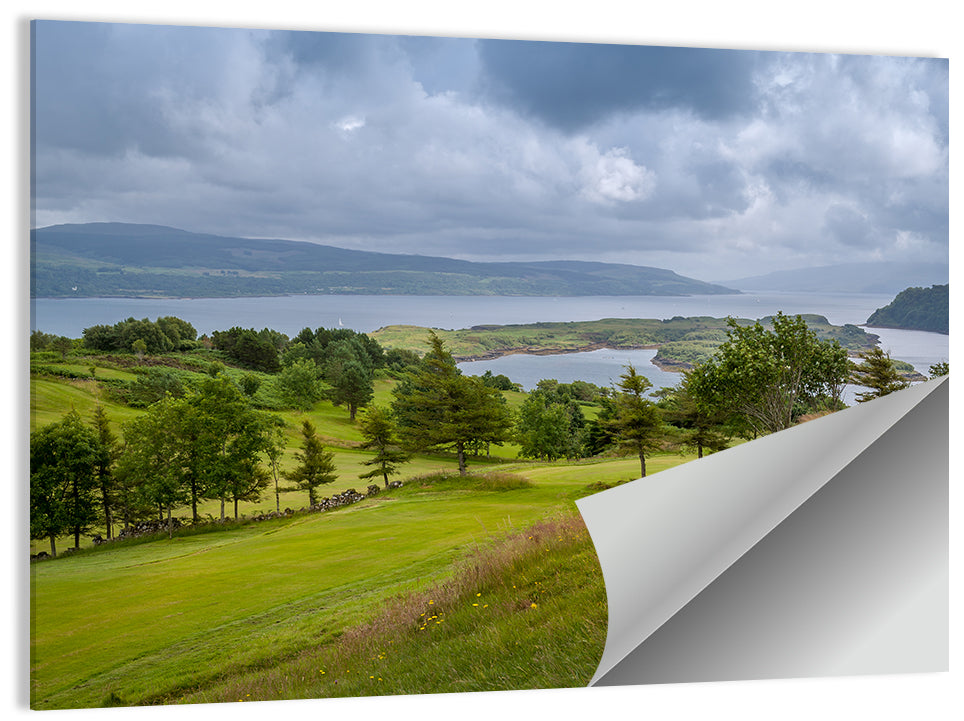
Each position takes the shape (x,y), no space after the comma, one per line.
(210,442)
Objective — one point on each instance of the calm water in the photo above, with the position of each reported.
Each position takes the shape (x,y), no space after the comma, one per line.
(289,314)
(365,313)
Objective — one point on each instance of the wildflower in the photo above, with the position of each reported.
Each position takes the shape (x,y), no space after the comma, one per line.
(478,594)
(534,605)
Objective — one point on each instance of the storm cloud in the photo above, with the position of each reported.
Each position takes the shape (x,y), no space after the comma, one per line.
(713,163)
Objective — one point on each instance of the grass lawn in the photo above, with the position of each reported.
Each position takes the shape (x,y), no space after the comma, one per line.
(284,608)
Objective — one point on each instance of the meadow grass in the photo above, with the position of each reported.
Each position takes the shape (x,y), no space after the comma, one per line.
(262,608)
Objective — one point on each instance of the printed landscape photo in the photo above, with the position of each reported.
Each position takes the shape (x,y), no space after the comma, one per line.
(330,332)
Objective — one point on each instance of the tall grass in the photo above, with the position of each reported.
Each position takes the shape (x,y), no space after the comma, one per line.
(525,611)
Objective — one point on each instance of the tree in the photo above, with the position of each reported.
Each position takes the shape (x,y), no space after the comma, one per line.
(550,426)
(316,466)
(379,433)
(63,462)
(701,424)
(104,468)
(767,377)
(231,437)
(207,444)
(939,369)
(436,407)
(877,372)
(348,368)
(299,384)
(637,426)
(156,462)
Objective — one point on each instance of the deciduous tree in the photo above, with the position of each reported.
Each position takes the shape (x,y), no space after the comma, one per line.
(63,463)
(767,376)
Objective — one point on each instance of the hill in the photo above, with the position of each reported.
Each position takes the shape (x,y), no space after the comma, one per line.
(916,309)
(847,278)
(125,260)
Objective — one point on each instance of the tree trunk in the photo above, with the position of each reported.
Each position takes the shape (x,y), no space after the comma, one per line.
(642,465)
(385,476)
(193,500)
(105,500)
(222,508)
(351,412)
(699,449)
(235,509)
(76,538)
(53,545)
(460,448)
(170,524)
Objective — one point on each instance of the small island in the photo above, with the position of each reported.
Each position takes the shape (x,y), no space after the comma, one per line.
(681,342)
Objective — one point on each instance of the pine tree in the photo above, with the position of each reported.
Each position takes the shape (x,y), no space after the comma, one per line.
(637,426)
(877,372)
(379,433)
(437,407)
(315,465)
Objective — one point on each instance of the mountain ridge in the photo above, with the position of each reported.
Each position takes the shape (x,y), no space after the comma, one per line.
(876,277)
(129,260)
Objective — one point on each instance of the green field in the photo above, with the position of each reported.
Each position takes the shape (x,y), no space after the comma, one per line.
(286,608)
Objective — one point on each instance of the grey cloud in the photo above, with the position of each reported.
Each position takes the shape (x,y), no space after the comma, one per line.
(572,85)
(491,149)
(848,226)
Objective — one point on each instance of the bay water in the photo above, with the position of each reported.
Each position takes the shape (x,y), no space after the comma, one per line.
(365,313)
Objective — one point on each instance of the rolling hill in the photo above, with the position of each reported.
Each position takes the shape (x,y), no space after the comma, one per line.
(847,278)
(125,260)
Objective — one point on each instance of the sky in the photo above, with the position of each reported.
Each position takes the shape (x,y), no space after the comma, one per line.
(717,164)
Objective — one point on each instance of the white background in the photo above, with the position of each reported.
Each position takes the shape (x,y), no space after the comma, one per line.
(921,28)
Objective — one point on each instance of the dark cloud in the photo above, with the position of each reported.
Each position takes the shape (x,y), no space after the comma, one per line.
(572,85)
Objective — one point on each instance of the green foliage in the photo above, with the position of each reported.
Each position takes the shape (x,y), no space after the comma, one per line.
(379,432)
(916,309)
(637,426)
(206,444)
(437,407)
(766,377)
(299,384)
(877,372)
(154,384)
(315,466)
(349,371)
(164,335)
(939,369)
(253,349)
(64,458)
(701,426)
(500,382)
(551,424)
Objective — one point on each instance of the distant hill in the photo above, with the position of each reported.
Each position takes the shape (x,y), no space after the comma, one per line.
(916,309)
(125,260)
(848,278)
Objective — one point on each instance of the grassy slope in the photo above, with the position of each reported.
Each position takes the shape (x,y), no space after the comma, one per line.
(199,611)
(201,614)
